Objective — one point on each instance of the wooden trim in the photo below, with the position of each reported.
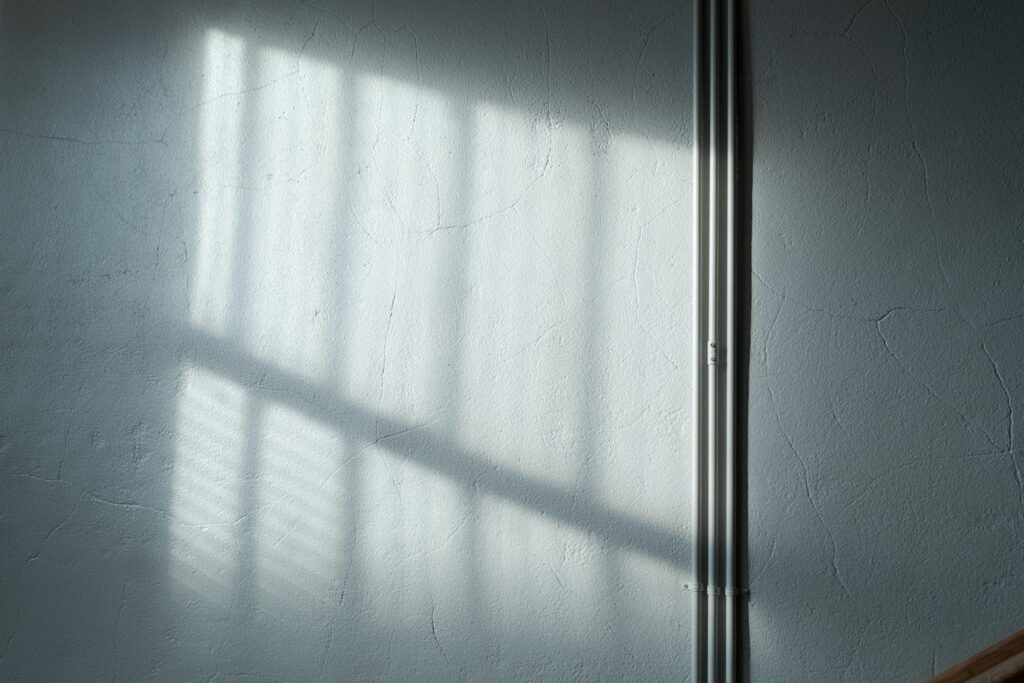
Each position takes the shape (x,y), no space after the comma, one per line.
(1009,652)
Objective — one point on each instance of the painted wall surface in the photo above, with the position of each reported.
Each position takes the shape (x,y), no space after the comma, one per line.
(346,340)
(888,317)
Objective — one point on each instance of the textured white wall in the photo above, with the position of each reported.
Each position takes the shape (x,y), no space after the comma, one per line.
(346,341)
(353,341)
(885,483)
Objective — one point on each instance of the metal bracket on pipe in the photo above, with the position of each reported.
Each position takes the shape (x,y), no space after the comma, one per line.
(715,355)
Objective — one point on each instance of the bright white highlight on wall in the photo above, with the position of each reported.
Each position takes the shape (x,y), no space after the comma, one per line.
(221,183)
(438,372)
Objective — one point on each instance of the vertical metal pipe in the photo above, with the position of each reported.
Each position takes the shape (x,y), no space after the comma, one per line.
(713,449)
(729,446)
(699,293)
(716,622)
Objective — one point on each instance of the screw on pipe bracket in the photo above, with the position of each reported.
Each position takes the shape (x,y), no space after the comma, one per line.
(715,355)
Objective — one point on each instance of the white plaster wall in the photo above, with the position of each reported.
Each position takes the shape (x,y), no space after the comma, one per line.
(886,366)
(346,341)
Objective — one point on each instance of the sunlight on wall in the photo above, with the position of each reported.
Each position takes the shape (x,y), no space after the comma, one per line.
(404,278)
(221,183)
(212,432)
(648,321)
(398,196)
(527,570)
(288,246)
(298,502)
(530,293)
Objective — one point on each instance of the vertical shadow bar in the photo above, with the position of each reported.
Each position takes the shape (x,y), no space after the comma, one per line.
(340,277)
(454,323)
(243,603)
(716,208)
(741,358)
(350,595)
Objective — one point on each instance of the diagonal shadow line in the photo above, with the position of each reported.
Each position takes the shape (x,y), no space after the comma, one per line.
(441,454)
